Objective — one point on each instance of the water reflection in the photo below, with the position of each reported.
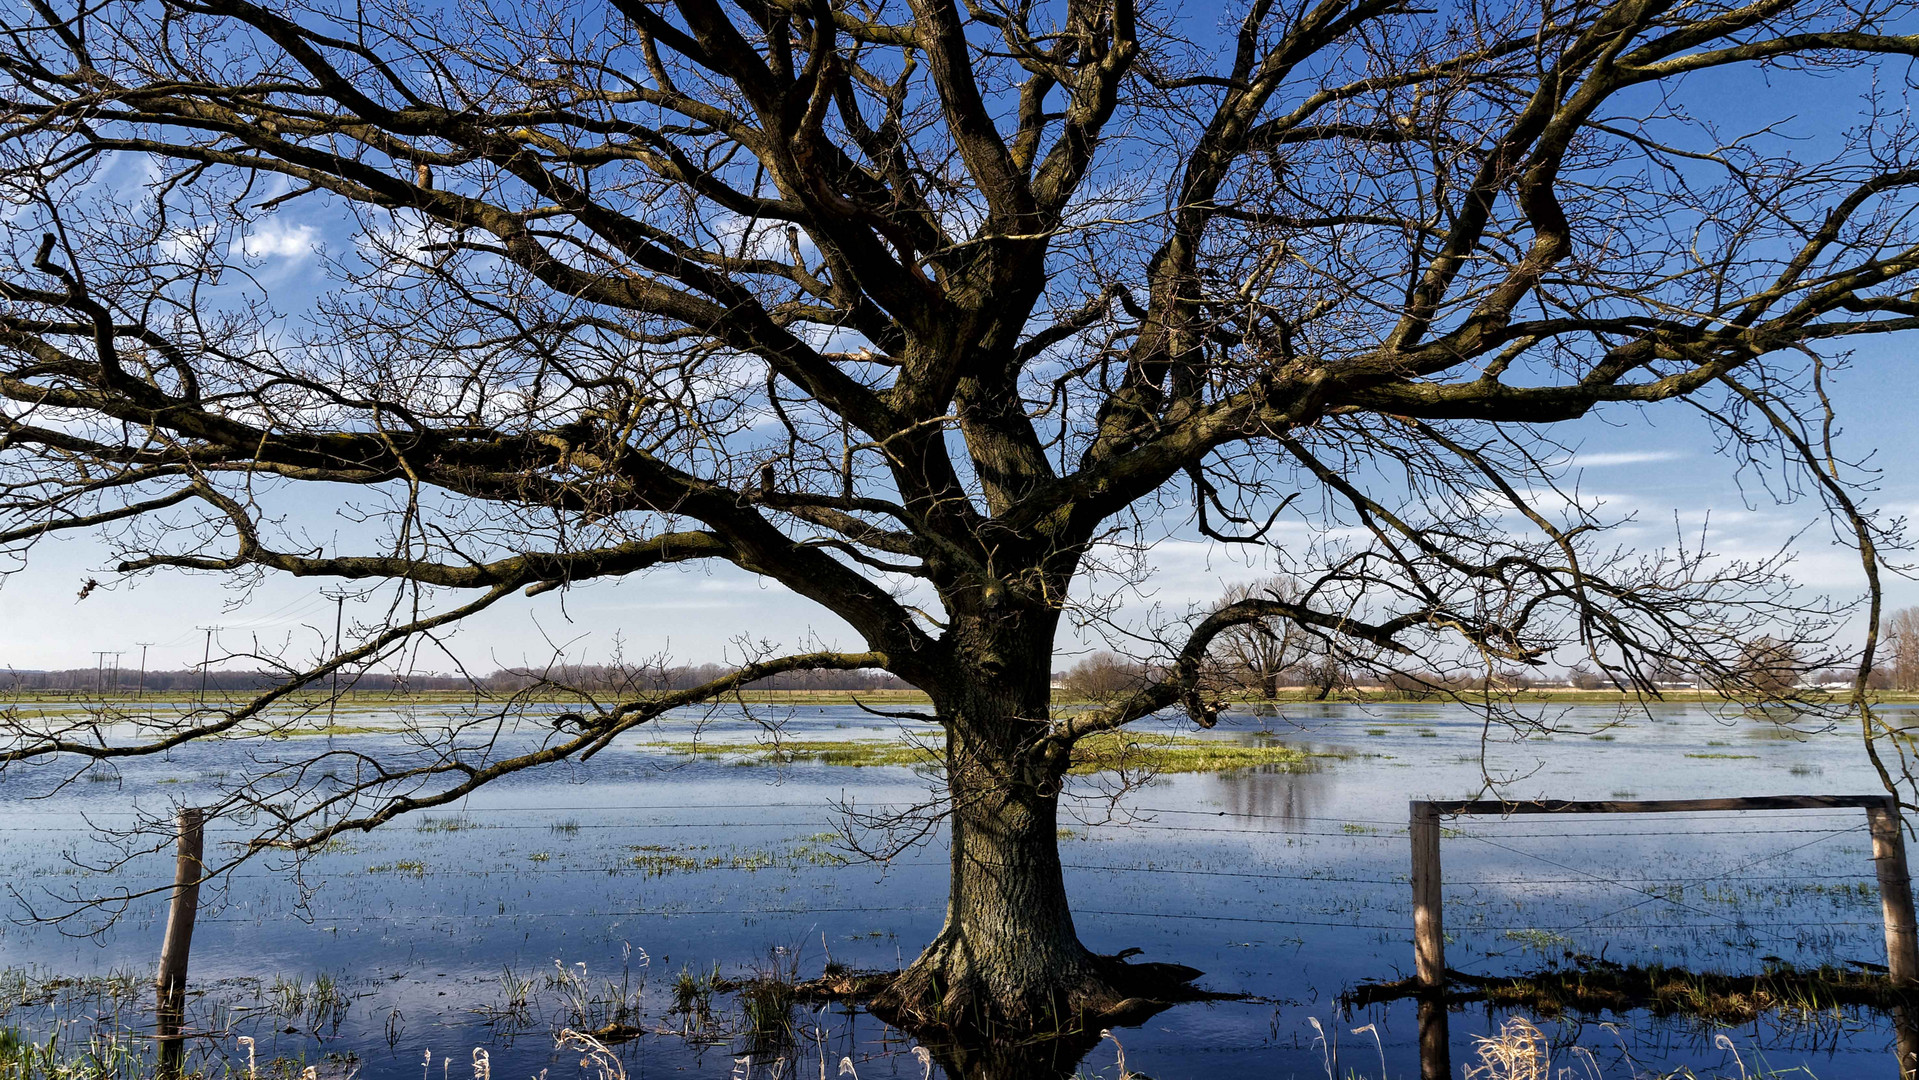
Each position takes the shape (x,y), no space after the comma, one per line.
(1906,1022)
(1292,798)
(1435,1041)
(1051,1059)
(1103,1052)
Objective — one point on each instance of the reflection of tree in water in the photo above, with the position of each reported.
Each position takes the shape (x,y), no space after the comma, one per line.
(1293,797)
(1038,1059)
(789,1045)
(1044,1059)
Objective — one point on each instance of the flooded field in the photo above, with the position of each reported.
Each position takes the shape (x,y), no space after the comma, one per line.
(620,891)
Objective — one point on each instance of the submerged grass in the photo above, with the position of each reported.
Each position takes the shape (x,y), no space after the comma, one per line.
(1106,752)
(1703,995)
(1592,989)
(659,860)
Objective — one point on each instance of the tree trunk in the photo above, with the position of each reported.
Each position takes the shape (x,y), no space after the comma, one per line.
(1008,956)
(1008,961)
(1328,678)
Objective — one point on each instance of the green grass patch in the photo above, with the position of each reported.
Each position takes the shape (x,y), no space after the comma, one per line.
(659,860)
(1105,752)
(431,824)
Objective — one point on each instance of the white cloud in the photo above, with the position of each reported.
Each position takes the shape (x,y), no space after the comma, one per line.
(274,240)
(186,245)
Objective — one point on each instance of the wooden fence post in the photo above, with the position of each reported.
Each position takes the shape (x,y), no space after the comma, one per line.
(1895,891)
(170,985)
(1429,943)
(1429,925)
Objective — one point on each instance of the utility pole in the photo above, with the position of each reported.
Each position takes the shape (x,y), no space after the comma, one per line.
(115,677)
(205,662)
(333,696)
(143,669)
(100,670)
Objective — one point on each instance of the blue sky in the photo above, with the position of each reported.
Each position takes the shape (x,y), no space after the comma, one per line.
(1655,465)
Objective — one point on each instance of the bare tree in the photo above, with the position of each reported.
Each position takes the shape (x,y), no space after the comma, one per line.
(1581,677)
(929,315)
(1258,655)
(1104,676)
(1262,655)
(1901,635)
(1769,666)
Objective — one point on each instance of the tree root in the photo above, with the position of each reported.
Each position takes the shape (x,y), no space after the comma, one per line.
(1106,992)
(845,984)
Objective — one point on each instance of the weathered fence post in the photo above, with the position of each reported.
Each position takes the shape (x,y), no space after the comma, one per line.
(1429,927)
(1895,891)
(1429,942)
(170,985)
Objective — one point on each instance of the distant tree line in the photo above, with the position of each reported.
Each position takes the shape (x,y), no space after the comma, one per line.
(1261,658)
(589,677)
(189,680)
(640,679)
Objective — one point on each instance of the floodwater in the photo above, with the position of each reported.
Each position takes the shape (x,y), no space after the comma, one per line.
(536,904)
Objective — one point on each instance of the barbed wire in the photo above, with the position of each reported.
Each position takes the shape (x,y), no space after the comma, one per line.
(1659,889)
(688,912)
(638,867)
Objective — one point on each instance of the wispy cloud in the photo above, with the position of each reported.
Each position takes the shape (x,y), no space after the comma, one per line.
(1624,457)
